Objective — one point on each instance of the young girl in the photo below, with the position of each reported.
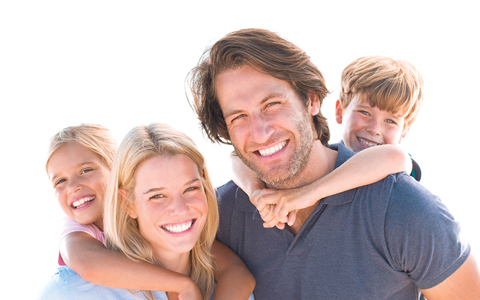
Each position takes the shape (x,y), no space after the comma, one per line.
(79,163)
(279,207)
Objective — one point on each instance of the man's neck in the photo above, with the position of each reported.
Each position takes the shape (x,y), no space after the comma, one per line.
(321,162)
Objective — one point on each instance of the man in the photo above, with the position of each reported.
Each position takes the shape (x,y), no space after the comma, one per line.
(389,240)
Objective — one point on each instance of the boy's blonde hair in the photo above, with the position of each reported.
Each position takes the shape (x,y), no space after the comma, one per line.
(385,83)
(122,232)
(95,138)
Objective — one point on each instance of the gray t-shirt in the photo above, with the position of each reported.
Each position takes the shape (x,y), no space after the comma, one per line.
(386,240)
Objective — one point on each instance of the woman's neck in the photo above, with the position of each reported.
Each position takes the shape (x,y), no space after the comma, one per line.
(178,262)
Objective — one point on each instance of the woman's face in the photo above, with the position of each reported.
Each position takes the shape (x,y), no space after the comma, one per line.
(170,203)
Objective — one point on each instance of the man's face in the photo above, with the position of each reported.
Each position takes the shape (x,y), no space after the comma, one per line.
(366,126)
(270,128)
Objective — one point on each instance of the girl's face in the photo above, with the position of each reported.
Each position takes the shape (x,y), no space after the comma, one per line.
(79,179)
(170,204)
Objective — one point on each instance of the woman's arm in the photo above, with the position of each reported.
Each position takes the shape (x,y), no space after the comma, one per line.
(90,259)
(234,280)
(366,167)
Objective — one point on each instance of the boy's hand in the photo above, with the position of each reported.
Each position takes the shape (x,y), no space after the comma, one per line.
(278,207)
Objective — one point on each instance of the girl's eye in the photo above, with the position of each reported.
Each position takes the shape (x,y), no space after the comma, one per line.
(86,171)
(58,182)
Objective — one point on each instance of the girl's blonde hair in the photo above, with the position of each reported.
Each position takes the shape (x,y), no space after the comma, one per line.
(95,138)
(121,231)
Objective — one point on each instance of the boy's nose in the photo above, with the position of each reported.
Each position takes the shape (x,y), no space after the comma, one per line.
(374,126)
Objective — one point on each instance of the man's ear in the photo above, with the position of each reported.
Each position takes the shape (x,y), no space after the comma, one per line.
(313,104)
(339,112)
(122,195)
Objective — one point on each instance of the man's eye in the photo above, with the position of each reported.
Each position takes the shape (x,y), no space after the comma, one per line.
(237,118)
(272,104)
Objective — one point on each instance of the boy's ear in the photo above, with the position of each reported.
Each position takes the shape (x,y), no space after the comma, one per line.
(122,195)
(313,104)
(339,112)
(404,133)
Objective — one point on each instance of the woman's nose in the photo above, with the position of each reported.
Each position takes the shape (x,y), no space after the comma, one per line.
(178,206)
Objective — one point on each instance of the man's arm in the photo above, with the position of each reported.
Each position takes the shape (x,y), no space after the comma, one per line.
(463,284)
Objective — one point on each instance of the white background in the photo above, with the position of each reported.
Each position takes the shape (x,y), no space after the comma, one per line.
(123,63)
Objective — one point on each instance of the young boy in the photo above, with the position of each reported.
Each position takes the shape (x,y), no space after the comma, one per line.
(379,101)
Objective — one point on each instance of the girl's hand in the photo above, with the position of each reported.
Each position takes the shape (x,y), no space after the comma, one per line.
(189,291)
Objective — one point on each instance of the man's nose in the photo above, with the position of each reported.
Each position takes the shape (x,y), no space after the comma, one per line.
(260,129)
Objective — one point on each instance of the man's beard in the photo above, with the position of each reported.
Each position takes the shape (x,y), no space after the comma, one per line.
(289,177)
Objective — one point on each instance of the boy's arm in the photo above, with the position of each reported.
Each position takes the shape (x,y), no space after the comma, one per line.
(234,280)
(366,167)
(90,259)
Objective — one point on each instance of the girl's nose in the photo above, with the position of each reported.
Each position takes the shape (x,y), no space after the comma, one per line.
(74,186)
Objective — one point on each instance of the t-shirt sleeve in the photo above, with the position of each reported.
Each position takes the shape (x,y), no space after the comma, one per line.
(416,171)
(422,236)
(68,226)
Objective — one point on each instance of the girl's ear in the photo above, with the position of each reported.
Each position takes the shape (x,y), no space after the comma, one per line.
(122,195)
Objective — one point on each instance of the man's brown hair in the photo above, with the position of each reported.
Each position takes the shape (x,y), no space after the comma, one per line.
(265,51)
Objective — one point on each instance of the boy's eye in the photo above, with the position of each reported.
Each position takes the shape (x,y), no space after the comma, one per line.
(390,121)
(364,112)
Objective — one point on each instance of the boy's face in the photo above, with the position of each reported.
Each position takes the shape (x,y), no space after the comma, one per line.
(366,126)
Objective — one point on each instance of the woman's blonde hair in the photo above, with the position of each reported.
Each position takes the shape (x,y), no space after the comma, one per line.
(122,232)
(95,138)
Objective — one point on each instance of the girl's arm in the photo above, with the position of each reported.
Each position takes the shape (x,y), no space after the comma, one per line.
(90,259)
(234,280)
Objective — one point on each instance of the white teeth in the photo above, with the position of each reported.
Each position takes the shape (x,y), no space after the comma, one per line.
(367,143)
(178,228)
(272,150)
(82,201)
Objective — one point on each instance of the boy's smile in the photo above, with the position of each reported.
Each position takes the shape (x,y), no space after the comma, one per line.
(366,126)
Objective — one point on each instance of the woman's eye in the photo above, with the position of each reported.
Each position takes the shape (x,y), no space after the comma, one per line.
(157,196)
(193,188)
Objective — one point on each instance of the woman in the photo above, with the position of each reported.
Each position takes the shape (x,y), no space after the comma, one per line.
(160,204)
(160,208)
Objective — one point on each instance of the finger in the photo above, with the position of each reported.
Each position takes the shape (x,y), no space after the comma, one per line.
(280,225)
(264,200)
(292,216)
